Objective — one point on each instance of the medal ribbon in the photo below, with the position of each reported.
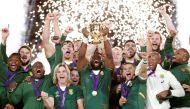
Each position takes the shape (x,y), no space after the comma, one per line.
(124,88)
(151,72)
(10,77)
(27,68)
(62,96)
(36,87)
(118,71)
(95,80)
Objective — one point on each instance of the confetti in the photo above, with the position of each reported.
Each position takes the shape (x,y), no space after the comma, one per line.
(128,18)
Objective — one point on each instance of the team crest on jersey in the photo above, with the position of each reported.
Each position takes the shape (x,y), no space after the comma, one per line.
(185,69)
(162,75)
(71,92)
(129,83)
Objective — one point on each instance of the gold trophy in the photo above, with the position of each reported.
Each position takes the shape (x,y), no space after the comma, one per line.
(95,32)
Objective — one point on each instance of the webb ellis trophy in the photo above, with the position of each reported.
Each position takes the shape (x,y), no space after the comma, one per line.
(95,28)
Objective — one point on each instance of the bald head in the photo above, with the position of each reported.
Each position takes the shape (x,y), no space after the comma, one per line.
(181,55)
(154,58)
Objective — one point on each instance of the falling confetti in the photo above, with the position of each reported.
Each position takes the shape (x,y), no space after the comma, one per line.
(129,18)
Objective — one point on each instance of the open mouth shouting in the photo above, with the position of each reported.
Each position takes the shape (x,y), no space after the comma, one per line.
(13,67)
(75,81)
(68,52)
(155,46)
(128,76)
(39,72)
(62,77)
(96,62)
(24,58)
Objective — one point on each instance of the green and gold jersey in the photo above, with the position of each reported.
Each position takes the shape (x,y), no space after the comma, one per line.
(101,100)
(73,93)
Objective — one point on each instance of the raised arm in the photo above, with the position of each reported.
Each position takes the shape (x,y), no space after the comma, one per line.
(149,46)
(5,34)
(169,24)
(57,31)
(141,69)
(4,69)
(142,43)
(90,51)
(107,47)
(170,41)
(48,46)
(57,56)
(82,61)
(68,30)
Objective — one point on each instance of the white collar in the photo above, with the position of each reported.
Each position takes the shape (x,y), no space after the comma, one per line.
(68,62)
(159,69)
(36,80)
(96,72)
(63,88)
(117,66)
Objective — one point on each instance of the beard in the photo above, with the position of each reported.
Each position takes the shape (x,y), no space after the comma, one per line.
(130,53)
(25,63)
(94,67)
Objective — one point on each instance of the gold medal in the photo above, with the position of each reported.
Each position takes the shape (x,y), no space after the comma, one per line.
(94,93)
